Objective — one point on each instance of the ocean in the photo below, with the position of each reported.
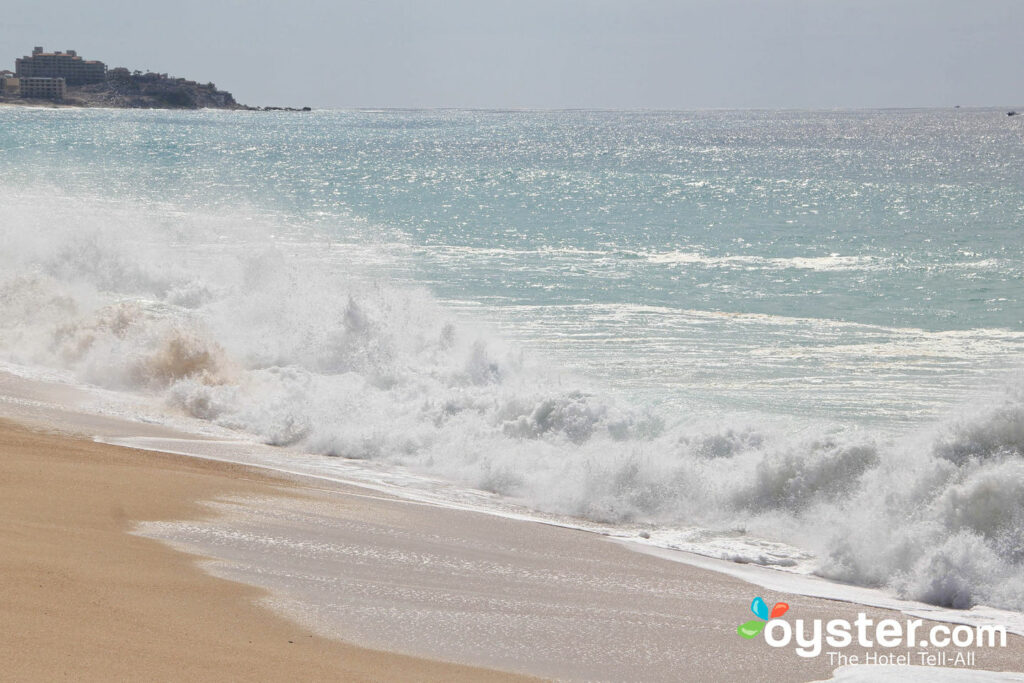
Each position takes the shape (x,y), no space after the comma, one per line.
(787,338)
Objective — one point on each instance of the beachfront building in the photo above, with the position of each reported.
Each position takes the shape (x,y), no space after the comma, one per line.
(67,65)
(42,88)
(9,84)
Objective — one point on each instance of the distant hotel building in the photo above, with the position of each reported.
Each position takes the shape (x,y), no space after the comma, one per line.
(9,83)
(63,65)
(42,88)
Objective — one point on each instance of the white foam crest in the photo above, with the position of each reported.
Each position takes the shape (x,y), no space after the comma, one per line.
(830,262)
(297,343)
(827,263)
(873,673)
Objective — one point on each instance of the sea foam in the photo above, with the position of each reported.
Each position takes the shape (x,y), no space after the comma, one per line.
(303,344)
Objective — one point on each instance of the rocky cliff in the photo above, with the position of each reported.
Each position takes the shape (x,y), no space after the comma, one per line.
(138,90)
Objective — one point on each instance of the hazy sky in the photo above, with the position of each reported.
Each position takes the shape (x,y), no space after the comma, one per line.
(552,53)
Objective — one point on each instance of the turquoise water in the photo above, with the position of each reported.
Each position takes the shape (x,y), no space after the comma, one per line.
(727,258)
(922,208)
(804,326)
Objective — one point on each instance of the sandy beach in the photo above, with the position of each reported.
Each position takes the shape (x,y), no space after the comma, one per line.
(85,598)
(39,104)
(81,599)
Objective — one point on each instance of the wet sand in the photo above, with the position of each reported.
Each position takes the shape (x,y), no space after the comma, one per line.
(82,599)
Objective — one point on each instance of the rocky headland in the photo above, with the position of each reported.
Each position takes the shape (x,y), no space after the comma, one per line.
(117,88)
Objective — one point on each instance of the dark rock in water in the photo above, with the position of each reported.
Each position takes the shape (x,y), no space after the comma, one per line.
(1011,113)
(281,109)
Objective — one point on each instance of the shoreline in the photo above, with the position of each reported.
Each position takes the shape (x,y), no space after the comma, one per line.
(984,108)
(550,591)
(43,104)
(82,597)
(48,104)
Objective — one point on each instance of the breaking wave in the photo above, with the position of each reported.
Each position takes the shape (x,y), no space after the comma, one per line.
(295,341)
